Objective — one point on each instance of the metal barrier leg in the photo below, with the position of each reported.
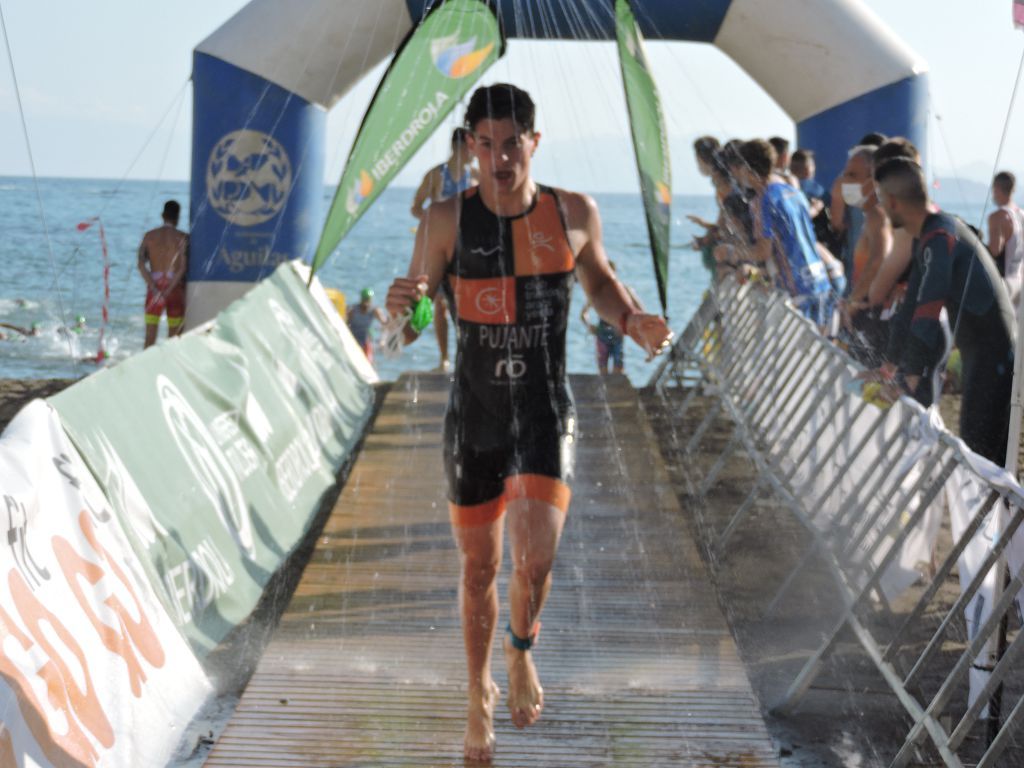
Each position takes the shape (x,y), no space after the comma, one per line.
(812,550)
(1004,737)
(966,595)
(940,576)
(813,666)
(967,658)
(996,679)
(703,427)
(684,406)
(720,462)
(738,517)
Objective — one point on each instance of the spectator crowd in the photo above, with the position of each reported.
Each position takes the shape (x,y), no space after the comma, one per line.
(877,266)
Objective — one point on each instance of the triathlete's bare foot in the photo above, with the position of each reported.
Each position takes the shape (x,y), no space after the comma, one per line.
(525,696)
(479,744)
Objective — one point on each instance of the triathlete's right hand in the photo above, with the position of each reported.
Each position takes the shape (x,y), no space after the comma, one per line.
(404,293)
(651,332)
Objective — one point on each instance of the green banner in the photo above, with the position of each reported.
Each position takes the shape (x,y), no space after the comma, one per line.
(649,141)
(433,69)
(217,448)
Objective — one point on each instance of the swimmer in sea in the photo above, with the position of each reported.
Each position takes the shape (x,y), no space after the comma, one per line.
(31,331)
(163,260)
(506,254)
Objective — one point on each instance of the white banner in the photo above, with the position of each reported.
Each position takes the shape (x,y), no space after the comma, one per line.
(966,492)
(92,670)
(838,429)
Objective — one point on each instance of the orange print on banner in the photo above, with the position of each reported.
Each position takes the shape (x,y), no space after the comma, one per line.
(130,636)
(490,300)
(78,707)
(539,243)
(85,703)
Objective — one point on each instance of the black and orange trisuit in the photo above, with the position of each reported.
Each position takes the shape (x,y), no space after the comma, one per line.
(510,428)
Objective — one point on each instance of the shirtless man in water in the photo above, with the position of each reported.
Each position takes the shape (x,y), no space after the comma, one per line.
(506,254)
(163,259)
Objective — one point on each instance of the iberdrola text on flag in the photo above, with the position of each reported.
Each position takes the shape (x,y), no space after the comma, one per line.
(436,65)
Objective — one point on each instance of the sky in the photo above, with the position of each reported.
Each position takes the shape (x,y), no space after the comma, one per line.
(105,90)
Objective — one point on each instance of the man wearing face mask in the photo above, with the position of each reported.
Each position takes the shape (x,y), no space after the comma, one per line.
(846,220)
(951,270)
(870,250)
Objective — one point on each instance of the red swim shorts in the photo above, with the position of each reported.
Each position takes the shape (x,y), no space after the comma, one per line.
(173,303)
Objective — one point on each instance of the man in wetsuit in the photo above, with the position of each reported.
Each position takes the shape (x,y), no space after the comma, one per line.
(446,180)
(889,285)
(951,269)
(163,259)
(507,254)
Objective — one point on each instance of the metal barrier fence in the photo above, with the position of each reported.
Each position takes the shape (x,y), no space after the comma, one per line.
(870,485)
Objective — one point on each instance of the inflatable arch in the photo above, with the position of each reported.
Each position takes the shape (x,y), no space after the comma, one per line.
(263,83)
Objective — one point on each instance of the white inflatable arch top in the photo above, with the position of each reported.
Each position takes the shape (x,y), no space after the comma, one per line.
(264,79)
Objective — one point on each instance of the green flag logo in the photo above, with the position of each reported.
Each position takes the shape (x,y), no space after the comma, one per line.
(360,191)
(457,60)
(664,194)
(434,68)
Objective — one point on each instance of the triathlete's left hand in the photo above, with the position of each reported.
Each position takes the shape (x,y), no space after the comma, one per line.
(649,331)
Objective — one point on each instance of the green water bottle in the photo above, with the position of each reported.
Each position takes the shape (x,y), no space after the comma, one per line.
(422,315)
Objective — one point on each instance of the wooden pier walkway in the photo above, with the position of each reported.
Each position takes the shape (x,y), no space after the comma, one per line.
(636,659)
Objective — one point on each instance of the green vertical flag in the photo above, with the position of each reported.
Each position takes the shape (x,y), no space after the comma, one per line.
(649,140)
(436,65)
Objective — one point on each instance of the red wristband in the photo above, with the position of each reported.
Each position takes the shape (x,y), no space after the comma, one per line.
(625,319)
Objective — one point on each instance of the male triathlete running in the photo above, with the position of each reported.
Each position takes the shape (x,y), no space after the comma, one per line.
(951,269)
(507,254)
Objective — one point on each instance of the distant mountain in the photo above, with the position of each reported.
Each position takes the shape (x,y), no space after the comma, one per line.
(956,189)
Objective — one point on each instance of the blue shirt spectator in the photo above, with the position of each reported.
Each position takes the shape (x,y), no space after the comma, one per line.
(786,222)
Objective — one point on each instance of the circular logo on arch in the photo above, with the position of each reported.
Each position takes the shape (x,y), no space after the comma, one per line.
(248,177)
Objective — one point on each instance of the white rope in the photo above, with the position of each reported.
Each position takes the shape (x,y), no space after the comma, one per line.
(35,177)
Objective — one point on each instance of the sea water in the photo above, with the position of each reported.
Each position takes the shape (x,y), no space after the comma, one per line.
(52,272)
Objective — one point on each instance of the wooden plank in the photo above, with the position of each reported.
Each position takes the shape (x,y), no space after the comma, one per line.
(366,667)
